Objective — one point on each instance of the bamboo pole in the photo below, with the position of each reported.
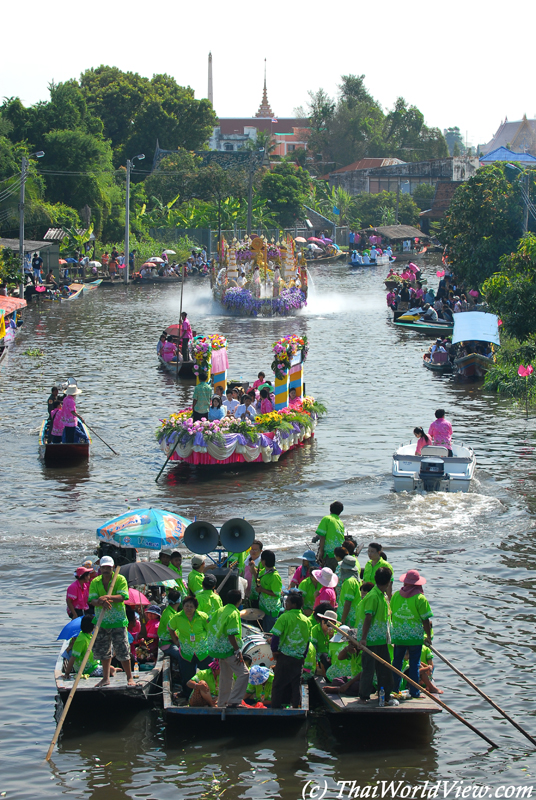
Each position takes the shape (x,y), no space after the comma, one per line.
(80,672)
(409,680)
(180,323)
(167,459)
(483,694)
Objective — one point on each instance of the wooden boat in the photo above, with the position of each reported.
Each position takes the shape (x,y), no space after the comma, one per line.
(186,368)
(434,470)
(76,291)
(64,454)
(325,259)
(345,704)
(474,329)
(428,328)
(381,261)
(439,362)
(118,690)
(88,287)
(183,711)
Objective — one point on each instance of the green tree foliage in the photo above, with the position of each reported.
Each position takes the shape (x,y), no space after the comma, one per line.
(373,209)
(405,135)
(174,179)
(137,111)
(454,141)
(423,194)
(483,223)
(285,189)
(511,293)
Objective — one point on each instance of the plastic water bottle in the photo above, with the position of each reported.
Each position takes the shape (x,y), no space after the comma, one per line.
(137,670)
(381,698)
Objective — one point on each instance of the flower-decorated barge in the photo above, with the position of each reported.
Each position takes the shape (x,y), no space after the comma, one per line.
(263,439)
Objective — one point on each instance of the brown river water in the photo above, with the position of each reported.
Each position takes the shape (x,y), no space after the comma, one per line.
(477,550)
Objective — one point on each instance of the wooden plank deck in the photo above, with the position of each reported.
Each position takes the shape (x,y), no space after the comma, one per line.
(118,687)
(343,704)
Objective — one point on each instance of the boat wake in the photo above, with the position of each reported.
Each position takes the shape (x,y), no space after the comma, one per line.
(335,303)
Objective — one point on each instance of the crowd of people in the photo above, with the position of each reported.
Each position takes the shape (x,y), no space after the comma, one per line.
(369,255)
(412,297)
(203,633)
(196,264)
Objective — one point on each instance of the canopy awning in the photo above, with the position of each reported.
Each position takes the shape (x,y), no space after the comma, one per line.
(477,326)
(10,304)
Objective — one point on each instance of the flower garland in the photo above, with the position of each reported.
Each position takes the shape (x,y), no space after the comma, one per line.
(284,351)
(201,349)
(243,302)
(217,341)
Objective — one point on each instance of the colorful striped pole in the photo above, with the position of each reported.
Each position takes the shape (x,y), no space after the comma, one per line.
(220,379)
(281,392)
(296,379)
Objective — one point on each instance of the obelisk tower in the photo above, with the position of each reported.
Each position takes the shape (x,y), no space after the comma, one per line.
(210,90)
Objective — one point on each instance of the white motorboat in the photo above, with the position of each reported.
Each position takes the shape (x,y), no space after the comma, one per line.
(434,470)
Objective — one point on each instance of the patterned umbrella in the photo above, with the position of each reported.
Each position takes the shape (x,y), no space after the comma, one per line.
(144,528)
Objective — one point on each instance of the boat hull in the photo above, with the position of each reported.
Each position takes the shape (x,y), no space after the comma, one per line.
(439,368)
(345,704)
(186,368)
(59,455)
(428,328)
(458,470)
(325,259)
(89,287)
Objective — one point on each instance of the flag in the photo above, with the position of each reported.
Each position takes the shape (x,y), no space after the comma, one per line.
(336,210)
(274,120)
(2,324)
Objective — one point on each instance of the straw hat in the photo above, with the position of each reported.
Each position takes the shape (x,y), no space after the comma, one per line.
(326,577)
(73,390)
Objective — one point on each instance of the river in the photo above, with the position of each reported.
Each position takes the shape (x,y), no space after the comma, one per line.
(477,550)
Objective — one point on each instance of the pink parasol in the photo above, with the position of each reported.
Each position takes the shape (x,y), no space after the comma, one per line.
(314,239)
(136,598)
(440,273)
(300,239)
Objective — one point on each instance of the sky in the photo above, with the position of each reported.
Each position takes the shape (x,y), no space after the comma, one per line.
(445,58)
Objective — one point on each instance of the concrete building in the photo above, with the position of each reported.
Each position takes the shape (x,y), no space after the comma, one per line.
(404,176)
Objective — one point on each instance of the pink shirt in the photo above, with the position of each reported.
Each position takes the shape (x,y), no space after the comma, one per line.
(186,330)
(78,593)
(326,595)
(441,432)
(258,383)
(391,297)
(68,412)
(151,626)
(57,422)
(422,442)
(266,406)
(168,351)
(298,576)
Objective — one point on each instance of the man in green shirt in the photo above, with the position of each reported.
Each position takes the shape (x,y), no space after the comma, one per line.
(224,643)
(202,398)
(197,574)
(375,636)
(207,597)
(331,535)
(291,635)
(113,629)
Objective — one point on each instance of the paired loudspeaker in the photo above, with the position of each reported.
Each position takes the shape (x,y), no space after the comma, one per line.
(235,536)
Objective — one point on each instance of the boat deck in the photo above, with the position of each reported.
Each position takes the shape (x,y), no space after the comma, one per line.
(118,687)
(344,704)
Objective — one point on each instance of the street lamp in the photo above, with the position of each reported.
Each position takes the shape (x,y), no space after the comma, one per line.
(24,175)
(127,214)
(525,193)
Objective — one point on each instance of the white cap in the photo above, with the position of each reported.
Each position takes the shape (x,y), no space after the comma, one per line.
(107,561)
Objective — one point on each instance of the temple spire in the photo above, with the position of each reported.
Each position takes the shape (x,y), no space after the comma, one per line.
(264,108)
(210,89)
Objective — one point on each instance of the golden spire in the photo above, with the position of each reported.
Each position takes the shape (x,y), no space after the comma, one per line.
(264,108)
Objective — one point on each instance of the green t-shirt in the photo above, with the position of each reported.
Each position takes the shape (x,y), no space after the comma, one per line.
(271,605)
(224,623)
(308,589)
(115,617)
(294,631)
(260,572)
(208,676)
(240,558)
(370,569)
(79,650)
(163,633)
(319,639)
(359,616)
(195,581)
(349,592)
(339,668)
(332,528)
(209,602)
(407,614)
(262,691)
(192,634)
(310,659)
(426,655)
(203,395)
(376,605)
(181,587)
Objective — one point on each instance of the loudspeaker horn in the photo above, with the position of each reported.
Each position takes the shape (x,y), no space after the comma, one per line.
(237,535)
(201,537)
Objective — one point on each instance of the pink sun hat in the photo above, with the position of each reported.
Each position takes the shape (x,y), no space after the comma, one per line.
(326,577)
(412,578)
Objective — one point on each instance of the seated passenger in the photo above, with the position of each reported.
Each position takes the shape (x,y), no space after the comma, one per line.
(169,350)
(230,403)
(205,686)
(93,667)
(216,411)
(303,572)
(430,314)
(260,380)
(259,689)
(423,440)
(246,410)
(293,399)
(58,425)
(160,344)
(266,403)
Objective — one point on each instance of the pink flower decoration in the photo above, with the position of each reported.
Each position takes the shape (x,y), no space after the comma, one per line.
(499,322)
(440,273)
(521,370)
(473,293)
(530,369)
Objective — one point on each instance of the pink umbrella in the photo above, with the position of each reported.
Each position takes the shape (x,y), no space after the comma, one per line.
(440,273)
(473,292)
(314,239)
(136,598)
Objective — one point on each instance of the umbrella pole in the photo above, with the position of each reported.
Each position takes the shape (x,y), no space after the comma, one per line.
(80,672)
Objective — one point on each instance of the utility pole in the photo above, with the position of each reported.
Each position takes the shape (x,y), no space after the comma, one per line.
(24,175)
(127,215)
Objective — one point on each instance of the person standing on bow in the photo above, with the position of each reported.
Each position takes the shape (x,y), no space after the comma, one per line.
(330,532)
(410,623)
(186,335)
(67,413)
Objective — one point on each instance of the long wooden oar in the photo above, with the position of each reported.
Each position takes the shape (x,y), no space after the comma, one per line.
(409,680)
(483,694)
(98,437)
(80,671)
(167,459)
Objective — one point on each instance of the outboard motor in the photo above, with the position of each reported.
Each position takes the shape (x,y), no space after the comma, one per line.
(431,474)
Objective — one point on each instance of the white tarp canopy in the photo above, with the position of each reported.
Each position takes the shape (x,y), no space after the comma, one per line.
(477,326)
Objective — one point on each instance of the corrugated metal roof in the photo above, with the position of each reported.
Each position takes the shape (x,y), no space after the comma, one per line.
(395,232)
(29,244)
(57,234)
(368,163)
(504,154)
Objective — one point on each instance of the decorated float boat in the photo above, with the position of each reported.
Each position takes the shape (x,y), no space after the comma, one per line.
(434,470)
(10,321)
(229,441)
(274,283)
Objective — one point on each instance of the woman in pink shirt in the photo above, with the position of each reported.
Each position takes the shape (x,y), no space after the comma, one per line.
(266,403)
(259,381)
(68,415)
(78,592)
(441,431)
(424,440)
(303,572)
(327,580)
(168,350)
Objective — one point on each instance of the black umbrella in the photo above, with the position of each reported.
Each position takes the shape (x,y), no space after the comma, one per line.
(148,572)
